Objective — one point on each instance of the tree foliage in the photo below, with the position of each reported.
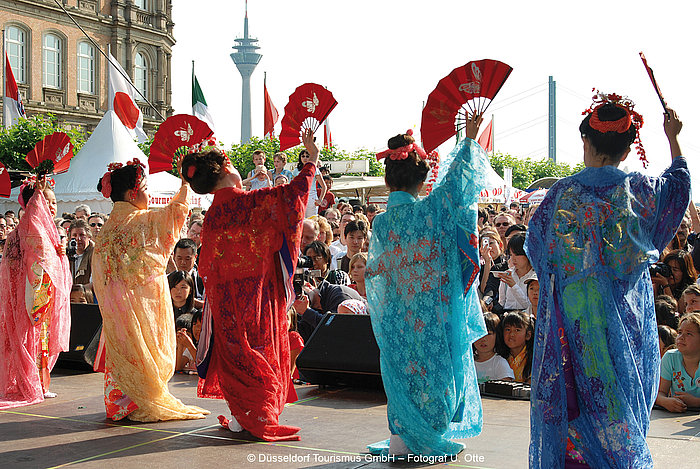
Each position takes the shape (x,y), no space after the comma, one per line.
(18,140)
(526,170)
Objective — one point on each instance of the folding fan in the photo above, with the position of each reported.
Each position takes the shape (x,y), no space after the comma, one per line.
(307,108)
(52,154)
(5,183)
(180,130)
(467,89)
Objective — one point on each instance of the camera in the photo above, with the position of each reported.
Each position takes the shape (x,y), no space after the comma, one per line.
(304,262)
(303,274)
(660,269)
(72,249)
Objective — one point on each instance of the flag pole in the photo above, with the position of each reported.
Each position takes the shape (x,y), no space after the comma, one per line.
(493,136)
(4,78)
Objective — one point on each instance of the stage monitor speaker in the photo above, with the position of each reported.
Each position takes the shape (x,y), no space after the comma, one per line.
(86,324)
(341,351)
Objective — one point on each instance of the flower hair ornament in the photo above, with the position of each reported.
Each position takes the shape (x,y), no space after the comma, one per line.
(433,160)
(31,182)
(401,153)
(107,177)
(204,145)
(621,125)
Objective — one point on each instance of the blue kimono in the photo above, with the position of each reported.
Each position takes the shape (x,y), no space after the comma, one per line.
(595,370)
(423,259)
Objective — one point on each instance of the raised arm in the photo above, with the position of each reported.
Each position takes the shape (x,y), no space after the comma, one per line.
(672,127)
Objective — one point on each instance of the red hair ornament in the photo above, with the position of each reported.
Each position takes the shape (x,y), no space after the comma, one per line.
(401,153)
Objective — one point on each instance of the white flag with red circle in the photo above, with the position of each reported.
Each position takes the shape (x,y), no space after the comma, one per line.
(122,100)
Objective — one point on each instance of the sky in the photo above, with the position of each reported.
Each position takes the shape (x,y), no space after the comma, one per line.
(382,58)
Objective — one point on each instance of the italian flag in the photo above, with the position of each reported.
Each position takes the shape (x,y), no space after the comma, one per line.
(199,104)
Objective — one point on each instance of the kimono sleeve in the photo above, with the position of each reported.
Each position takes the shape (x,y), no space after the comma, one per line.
(168,222)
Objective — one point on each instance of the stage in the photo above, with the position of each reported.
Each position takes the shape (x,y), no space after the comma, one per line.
(336,424)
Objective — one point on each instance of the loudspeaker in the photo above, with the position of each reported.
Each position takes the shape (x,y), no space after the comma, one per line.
(341,351)
(86,324)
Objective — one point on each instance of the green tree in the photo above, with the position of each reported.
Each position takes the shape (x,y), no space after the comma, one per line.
(18,140)
(526,170)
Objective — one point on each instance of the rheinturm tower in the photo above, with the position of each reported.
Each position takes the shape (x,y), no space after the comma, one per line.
(246,59)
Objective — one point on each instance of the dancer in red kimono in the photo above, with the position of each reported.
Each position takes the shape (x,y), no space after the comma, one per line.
(250,245)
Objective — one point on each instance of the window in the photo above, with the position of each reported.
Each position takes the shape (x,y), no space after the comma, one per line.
(86,68)
(16,46)
(141,4)
(141,74)
(52,61)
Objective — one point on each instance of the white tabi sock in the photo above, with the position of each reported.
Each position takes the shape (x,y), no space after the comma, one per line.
(397,447)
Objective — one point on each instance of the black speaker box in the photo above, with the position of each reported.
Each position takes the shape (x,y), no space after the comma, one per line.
(341,351)
(86,325)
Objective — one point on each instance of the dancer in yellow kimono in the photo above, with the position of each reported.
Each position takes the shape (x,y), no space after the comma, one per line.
(129,279)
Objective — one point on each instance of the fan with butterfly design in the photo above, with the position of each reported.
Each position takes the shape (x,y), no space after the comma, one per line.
(177,133)
(466,90)
(5,183)
(307,108)
(52,154)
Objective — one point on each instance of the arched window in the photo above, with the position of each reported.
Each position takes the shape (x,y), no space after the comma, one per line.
(141,74)
(52,61)
(16,47)
(86,68)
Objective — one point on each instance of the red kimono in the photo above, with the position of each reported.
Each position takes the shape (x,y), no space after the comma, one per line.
(250,240)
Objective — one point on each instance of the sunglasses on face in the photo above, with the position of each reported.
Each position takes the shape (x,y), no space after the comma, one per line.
(96,224)
(505,223)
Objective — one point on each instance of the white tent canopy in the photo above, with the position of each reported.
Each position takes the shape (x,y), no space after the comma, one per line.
(109,142)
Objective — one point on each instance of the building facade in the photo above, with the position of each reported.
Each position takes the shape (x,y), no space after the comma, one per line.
(58,70)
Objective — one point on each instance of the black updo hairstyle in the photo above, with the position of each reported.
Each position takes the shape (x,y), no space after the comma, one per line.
(122,180)
(408,173)
(611,144)
(208,167)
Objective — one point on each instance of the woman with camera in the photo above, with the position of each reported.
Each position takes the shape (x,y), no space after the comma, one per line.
(673,275)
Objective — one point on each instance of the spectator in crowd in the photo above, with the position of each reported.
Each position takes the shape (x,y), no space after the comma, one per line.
(518,329)
(194,232)
(512,293)
(329,200)
(679,386)
(514,229)
(20,213)
(332,215)
(682,274)
(315,197)
(355,236)
(358,263)
(96,222)
(258,177)
(185,257)
(316,302)
(181,287)
(532,285)
(488,363)
(494,261)
(279,160)
(10,214)
(358,209)
(502,222)
(309,232)
(296,345)
(281,180)
(325,234)
(186,350)
(65,223)
(321,257)
(63,238)
(341,244)
(667,339)
(82,211)
(666,309)
(2,247)
(691,298)
(79,294)
(371,212)
(335,228)
(482,218)
(81,264)
(3,227)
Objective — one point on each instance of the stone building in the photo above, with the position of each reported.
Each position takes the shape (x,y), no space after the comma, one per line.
(58,70)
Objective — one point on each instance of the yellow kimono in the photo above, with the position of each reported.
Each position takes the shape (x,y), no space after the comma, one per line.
(129,279)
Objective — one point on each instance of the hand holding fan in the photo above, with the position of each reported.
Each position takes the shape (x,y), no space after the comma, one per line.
(5,183)
(466,90)
(52,154)
(653,82)
(178,131)
(307,108)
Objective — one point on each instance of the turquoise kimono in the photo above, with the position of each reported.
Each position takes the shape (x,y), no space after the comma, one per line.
(423,260)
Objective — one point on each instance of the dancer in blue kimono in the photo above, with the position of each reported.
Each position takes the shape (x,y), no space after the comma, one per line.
(595,370)
(423,260)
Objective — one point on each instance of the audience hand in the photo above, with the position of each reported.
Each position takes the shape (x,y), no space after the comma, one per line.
(674,404)
(688,399)
(301,304)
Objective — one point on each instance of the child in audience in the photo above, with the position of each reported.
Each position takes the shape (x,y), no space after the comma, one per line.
(667,339)
(490,365)
(512,291)
(691,298)
(78,294)
(358,263)
(186,351)
(666,310)
(518,331)
(532,286)
(679,386)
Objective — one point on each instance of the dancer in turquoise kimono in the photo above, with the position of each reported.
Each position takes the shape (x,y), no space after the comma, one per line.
(595,371)
(423,260)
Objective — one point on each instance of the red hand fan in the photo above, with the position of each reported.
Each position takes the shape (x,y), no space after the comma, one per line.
(473,85)
(307,108)
(5,183)
(180,130)
(56,149)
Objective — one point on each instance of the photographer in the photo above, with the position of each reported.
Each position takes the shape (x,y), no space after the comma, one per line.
(80,252)
(673,275)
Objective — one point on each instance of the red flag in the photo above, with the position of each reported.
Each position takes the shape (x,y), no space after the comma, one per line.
(12,101)
(271,114)
(327,139)
(486,138)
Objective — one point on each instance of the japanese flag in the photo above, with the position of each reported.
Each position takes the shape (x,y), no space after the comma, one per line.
(122,100)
